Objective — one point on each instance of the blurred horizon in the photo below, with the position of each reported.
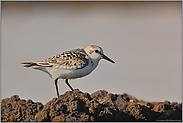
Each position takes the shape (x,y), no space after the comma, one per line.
(143,38)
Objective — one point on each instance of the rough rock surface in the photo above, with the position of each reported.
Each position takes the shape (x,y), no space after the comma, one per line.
(76,106)
(16,109)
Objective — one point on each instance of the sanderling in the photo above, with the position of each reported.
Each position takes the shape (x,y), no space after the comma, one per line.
(70,64)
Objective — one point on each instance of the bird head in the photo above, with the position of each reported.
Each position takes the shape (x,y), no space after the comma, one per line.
(96,53)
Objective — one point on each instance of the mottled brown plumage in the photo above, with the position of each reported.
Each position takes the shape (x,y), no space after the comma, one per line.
(74,59)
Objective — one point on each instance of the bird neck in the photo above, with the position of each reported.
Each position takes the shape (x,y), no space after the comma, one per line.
(94,62)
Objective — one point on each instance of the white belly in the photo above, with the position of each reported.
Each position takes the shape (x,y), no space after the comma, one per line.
(56,72)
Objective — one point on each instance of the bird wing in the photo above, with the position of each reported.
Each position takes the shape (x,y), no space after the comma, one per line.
(74,59)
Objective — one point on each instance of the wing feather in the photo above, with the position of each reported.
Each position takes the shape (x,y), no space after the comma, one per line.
(74,59)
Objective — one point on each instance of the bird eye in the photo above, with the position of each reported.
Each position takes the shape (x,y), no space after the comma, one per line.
(96,51)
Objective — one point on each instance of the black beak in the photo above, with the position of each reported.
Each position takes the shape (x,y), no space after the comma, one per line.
(107,58)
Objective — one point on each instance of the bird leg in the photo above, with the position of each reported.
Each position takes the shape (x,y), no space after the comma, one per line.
(56,87)
(66,81)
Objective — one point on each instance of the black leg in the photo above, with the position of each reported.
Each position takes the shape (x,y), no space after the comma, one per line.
(56,87)
(66,81)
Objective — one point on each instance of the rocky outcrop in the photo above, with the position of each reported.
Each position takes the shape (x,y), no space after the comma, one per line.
(15,109)
(76,106)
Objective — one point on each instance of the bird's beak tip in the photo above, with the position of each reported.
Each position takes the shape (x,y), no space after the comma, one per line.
(107,58)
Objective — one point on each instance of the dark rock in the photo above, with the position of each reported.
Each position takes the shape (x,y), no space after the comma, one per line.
(19,110)
(76,106)
(125,104)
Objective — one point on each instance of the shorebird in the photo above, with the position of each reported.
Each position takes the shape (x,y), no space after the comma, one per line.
(70,64)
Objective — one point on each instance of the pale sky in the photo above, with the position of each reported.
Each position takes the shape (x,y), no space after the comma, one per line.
(143,38)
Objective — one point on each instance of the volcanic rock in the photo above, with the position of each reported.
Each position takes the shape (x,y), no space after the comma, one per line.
(76,106)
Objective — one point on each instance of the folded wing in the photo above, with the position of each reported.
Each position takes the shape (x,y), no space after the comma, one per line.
(74,59)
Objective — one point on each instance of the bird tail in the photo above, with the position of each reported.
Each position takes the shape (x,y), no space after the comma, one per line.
(36,65)
(30,65)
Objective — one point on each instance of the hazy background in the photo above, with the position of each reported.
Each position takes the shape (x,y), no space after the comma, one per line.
(143,38)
